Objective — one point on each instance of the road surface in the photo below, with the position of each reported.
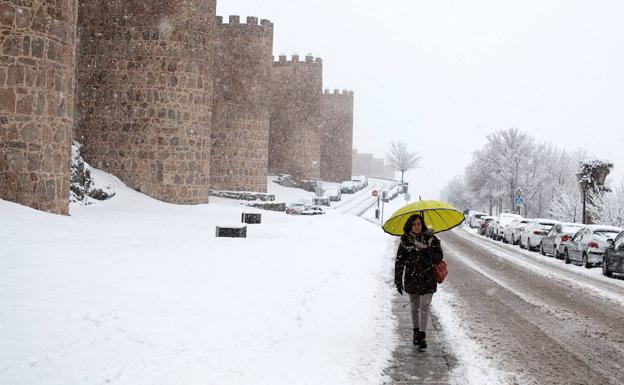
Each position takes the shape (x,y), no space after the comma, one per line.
(537,320)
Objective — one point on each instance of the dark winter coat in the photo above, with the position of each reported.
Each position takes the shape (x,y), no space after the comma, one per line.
(413,271)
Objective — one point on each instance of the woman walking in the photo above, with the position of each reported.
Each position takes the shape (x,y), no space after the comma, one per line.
(418,250)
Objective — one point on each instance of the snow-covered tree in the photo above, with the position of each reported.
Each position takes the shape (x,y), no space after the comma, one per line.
(608,208)
(565,200)
(401,159)
(456,193)
(511,160)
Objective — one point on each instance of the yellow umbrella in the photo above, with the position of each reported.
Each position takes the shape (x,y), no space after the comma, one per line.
(439,216)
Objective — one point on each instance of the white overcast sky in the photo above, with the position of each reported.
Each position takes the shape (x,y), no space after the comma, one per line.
(442,74)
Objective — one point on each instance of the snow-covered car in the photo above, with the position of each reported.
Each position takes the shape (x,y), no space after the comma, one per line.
(360,179)
(502,221)
(512,232)
(321,200)
(347,187)
(554,242)
(535,230)
(589,244)
(485,222)
(295,208)
(614,257)
(313,210)
(489,232)
(475,219)
(333,193)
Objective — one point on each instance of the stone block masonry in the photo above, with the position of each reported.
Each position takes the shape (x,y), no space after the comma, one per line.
(144,93)
(241,108)
(163,95)
(37,43)
(294,136)
(336,135)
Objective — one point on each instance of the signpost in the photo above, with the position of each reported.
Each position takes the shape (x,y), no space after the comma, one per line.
(376,194)
(519,201)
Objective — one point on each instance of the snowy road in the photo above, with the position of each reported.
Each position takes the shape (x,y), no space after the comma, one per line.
(537,320)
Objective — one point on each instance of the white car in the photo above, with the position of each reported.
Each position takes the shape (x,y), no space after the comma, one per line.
(512,232)
(321,200)
(535,230)
(502,221)
(333,193)
(475,220)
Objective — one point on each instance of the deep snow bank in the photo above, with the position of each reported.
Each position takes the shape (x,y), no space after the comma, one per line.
(136,291)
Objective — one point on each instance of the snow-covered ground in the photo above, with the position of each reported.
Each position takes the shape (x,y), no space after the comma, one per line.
(136,291)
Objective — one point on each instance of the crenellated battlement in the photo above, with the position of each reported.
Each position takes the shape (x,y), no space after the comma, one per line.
(253,25)
(337,92)
(296,60)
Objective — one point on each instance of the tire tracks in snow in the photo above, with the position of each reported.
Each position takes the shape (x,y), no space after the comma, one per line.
(530,326)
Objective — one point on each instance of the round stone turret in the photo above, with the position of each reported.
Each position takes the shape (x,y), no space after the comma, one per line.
(144,93)
(336,135)
(37,44)
(294,136)
(240,119)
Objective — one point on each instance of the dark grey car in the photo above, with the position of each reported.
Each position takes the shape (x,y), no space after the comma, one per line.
(614,257)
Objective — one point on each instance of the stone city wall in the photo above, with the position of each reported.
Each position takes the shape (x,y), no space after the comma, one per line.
(241,108)
(144,93)
(336,135)
(37,43)
(294,137)
(166,94)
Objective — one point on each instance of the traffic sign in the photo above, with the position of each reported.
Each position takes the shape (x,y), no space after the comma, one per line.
(375,193)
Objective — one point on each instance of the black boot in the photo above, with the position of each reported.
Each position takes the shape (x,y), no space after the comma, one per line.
(422,340)
(416,334)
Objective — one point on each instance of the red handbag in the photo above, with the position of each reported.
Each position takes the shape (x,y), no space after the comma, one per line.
(440,270)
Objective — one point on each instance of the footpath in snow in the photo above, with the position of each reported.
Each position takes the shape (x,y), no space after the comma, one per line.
(136,291)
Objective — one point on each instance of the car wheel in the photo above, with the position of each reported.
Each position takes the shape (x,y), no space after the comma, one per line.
(586,263)
(556,253)
(542,249)
(566,257)
(605,270)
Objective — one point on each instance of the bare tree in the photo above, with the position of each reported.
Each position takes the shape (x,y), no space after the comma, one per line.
(400,159)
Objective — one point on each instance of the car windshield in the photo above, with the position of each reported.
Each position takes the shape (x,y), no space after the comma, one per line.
(546,226)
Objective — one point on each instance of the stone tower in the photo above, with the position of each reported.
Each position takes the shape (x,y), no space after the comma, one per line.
(37,43)
(336,135)
(241,108)
(144,93)
(294,137)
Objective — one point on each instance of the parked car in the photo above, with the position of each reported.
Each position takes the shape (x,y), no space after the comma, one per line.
(589,244)
(333,193)
(614,257)
(502,221)
(361,179)
(554,242)
(347,187)
(313,210)
(485,222)
(512,232)
(321,200)
(475,219)
(295,208)
(535,230)
(490,232)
